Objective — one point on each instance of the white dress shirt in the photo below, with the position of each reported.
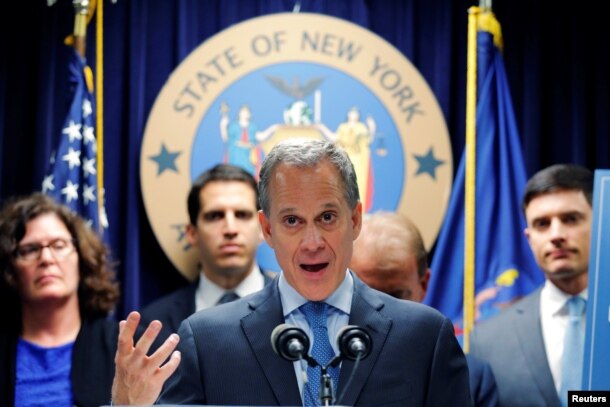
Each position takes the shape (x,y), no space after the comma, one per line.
(208,293)
(554,321)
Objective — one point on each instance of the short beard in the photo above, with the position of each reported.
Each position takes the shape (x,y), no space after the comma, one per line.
(565,274)
(233,271)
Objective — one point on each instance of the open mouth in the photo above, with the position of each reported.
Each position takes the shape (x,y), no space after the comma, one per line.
(314,268)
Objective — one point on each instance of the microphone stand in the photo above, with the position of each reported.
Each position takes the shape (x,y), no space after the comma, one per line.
(291,343)
(326,383)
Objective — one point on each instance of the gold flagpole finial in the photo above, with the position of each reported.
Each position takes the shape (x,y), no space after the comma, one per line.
(83,11)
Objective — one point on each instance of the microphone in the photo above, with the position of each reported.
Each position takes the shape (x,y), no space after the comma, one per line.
(354,342)
(290,342)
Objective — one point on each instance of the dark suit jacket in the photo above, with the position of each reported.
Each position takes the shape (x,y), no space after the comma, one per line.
(227,357)
(92,363)
(175,307)
(511,342)
(482,383)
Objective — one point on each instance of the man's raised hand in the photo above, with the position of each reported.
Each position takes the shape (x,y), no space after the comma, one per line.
(138,378)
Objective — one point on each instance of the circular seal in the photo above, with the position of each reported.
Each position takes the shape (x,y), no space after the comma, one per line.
(274,77)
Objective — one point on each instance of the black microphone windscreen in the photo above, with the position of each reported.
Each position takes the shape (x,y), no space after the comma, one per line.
(354,342)
(289,342)
(277,331)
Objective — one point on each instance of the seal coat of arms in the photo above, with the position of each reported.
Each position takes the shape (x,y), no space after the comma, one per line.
(296,75)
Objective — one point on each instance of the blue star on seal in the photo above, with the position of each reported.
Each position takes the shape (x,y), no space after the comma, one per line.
(165,160)
(428,163)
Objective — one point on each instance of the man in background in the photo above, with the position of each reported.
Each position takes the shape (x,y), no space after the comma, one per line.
(535,347)
(224,229)
(390,256)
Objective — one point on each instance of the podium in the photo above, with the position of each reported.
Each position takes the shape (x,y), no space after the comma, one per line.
(596,368)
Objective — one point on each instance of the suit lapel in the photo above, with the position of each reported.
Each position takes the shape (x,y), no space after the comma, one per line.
(268,276)
(364,313)
(529,335)
(257,326)
(184,306)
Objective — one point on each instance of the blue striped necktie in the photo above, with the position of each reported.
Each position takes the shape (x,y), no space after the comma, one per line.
(321,351)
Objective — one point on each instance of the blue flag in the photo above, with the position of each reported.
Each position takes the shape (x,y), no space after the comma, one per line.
(72,177)
(505,268)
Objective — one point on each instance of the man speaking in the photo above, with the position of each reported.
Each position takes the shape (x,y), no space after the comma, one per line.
(311,214)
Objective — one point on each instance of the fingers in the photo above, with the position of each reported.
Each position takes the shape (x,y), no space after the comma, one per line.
(139,378)
(145,342)
(170,367)
(126,331)
(164,351)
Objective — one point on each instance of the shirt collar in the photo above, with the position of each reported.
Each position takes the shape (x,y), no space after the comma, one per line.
(208,292)
(556,299)
(340,299)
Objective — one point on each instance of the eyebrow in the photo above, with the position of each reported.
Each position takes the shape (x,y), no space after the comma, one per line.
(50,240)
(291,209)
(223,210)
(560,214)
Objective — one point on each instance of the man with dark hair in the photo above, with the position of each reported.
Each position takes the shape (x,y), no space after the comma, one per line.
(223,227)
(535,347)
(310,215)
(390,256)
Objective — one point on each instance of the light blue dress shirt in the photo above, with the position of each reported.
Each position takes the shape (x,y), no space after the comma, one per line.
(338,315)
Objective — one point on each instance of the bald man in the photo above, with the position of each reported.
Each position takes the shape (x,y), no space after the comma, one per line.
(390,256)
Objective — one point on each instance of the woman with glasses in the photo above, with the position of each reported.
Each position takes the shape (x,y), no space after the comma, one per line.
(57,343)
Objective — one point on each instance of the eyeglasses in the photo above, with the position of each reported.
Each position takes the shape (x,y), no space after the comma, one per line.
(60,248)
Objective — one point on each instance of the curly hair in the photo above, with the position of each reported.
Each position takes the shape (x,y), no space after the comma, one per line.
(98,291)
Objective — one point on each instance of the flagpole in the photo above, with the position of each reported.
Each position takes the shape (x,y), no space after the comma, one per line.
(99,117)
(479,18)
(470,179)
(84,10)
(81,8)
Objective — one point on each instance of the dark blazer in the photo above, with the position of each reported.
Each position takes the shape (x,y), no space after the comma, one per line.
(511,342)
(92,363)
(176,306)
(227,357)
(482,383)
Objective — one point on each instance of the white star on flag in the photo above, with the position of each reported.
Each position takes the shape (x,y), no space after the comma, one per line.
(73,131)
(70,191)
(89,166)
(88,135)
(88,194)
(87,109)
(47,184)
(73,158)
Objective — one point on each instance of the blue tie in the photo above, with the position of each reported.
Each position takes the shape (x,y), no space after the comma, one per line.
(321,351)
(573,349)
(227,297)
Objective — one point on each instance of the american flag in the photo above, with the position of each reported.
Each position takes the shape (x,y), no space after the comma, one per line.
(72,176)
